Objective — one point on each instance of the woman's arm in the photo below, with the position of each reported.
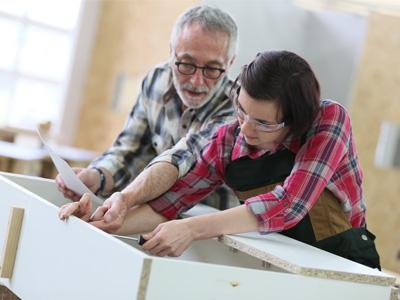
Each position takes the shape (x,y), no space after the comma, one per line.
(173,237)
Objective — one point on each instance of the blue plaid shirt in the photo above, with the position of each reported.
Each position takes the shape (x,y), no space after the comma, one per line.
(158,130)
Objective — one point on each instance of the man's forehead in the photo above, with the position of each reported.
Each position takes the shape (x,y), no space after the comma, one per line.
(197,43)
(192,58)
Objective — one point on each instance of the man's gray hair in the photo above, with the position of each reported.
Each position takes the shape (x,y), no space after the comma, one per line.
(210,18)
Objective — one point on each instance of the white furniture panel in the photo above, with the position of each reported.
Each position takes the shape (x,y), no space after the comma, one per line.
(197,281)
(65,260)
(73,260)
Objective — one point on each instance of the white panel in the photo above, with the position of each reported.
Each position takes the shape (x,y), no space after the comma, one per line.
(296,257)
(66,260)
(42,187)
(73,260)
(184,280)
(300,258)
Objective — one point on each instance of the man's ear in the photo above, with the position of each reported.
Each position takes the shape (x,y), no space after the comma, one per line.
(171,56)
(232,60)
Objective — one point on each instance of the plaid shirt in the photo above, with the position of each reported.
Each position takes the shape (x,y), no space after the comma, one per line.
(158,130)
(327,159)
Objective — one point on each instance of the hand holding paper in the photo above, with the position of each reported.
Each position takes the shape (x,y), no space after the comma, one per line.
(71,180)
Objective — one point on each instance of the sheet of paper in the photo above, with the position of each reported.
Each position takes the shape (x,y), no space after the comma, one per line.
(71,180)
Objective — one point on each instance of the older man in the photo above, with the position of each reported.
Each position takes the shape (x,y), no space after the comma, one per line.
(181,105)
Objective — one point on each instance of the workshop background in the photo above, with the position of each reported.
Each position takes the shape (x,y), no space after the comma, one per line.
(353,46)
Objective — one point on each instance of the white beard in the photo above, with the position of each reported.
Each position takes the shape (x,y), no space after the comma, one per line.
(191,102)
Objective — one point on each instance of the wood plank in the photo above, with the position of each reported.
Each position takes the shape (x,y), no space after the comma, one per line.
(297,257)
(144,279)
(11,243)
(395,295)
(6,294)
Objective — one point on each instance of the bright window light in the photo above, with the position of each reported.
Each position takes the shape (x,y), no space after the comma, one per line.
(60,14)
(9,33)
(6,88)
(37,43)
(45,53)
(14,7)
(34,102)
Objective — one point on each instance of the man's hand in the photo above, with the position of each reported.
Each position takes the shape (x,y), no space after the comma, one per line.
(170,238)
(111,215)
(90,177)
(108,217)
(82,209)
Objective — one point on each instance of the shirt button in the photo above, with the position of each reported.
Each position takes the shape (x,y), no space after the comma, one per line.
(364,237)
(184,126)
(155,144)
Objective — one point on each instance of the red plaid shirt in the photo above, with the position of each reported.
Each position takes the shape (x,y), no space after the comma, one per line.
(327,159)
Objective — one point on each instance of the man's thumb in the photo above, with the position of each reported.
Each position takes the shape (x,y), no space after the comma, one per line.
(109,216)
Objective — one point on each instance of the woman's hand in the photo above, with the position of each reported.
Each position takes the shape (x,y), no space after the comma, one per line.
(169,239)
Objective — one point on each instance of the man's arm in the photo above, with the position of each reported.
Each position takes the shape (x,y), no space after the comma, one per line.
(163,171)
(186,151)
(150,184)
(128,154)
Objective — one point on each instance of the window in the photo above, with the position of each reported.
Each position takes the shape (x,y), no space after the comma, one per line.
(36,55)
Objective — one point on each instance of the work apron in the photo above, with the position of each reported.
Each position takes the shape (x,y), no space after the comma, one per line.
(325,226)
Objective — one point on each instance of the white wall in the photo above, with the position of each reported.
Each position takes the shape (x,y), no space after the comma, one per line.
(330,41)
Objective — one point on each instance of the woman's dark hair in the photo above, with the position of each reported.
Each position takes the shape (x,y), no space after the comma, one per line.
(287,79)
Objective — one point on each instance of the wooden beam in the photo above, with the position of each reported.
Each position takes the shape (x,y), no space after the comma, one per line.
(11,243)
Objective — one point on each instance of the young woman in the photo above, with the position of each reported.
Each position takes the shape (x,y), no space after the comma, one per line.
(290,158)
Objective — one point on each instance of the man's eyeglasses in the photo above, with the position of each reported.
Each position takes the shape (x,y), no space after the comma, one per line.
(258,125)
(190,69)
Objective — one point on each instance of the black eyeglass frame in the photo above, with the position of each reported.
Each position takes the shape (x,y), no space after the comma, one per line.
(202,68)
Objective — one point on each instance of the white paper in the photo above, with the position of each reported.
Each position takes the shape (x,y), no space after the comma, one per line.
(71,180)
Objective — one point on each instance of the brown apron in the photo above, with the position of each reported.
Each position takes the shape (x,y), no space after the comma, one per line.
(325,226)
